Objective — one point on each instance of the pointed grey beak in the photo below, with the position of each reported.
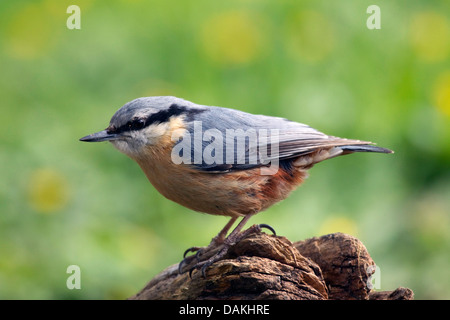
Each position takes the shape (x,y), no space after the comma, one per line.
(100,136)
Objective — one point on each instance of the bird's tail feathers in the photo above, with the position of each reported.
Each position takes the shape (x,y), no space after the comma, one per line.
(308,160)
(363,148)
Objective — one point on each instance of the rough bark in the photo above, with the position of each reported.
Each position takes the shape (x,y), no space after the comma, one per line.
(263,267)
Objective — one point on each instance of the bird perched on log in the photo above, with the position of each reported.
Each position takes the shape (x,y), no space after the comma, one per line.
(220,161)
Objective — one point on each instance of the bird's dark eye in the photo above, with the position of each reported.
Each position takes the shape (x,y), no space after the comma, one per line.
(136,124)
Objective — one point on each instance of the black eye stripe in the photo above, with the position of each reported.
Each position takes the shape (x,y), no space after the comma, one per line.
(158,117)
(136,124)
(174,110)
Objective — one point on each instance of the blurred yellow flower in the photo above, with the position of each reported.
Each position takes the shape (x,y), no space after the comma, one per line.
(430,36)
(28,34)
(339,224)
(35,27)
(232,37)
(47,190)
(441,93)
(309,36)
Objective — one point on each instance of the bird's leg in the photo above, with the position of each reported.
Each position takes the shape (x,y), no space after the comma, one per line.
(235,236)
(222,234)
(217,240)
(219,246)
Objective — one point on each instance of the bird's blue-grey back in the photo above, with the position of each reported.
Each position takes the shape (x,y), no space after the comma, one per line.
(280,139)
(276,138)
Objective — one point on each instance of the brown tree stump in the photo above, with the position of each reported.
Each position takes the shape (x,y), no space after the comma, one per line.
(264,267)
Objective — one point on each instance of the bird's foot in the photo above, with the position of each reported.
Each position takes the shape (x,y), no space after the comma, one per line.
(200,253)
(206,256)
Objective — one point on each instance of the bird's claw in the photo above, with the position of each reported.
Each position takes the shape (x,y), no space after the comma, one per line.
(215,252)
(191,249)
(187,260)
(263,225)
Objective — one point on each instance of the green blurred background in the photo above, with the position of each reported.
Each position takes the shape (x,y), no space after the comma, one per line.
(63,202)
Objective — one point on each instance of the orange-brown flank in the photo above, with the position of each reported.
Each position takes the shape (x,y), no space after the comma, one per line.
(233,194)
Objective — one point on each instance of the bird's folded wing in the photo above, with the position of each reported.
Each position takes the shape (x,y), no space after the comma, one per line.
(247,141)
(280,146)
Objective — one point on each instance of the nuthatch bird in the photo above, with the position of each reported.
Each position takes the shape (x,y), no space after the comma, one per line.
(220,161)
